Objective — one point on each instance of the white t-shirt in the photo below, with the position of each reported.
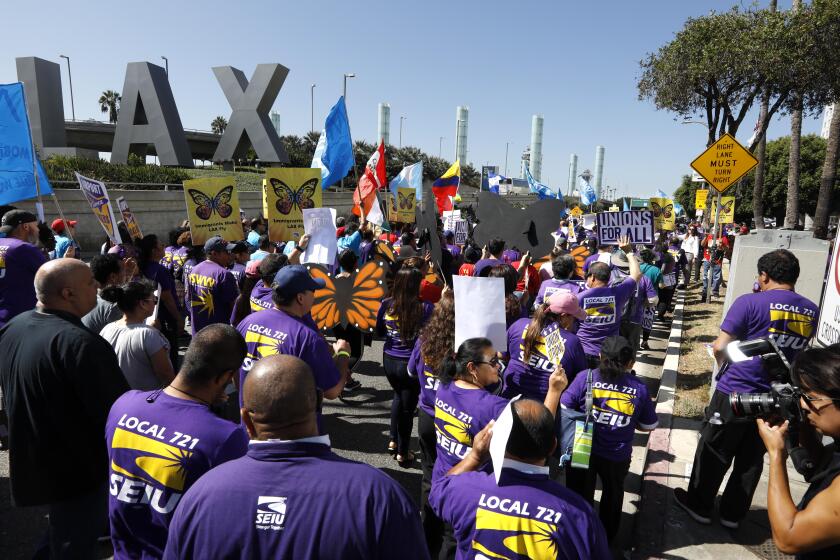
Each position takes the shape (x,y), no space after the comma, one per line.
(134,344)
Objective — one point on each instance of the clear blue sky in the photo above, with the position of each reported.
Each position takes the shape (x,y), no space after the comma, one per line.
(575,63)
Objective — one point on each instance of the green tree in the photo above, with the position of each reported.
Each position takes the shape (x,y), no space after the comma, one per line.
(218,125)
(792,204)
(109,102)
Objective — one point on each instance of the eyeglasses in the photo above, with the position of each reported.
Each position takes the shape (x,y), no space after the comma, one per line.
(152,299)
(492,361)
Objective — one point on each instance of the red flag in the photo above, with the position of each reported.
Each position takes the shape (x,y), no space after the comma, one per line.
(372,181)
(442,197)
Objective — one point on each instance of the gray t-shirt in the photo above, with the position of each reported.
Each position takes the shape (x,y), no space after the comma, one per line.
(134,344)
(105,312)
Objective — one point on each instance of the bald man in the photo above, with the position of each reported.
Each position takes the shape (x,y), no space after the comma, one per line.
(525,513)
(291,496)
(59,381)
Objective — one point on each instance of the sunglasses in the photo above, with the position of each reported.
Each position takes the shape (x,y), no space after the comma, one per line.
(492,361)
(810,400)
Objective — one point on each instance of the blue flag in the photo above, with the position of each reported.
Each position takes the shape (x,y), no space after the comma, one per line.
(334,153)
(493,181)
(17,177)
(587,192)
(661,194)
(679,208)
(626,206)
(539,189)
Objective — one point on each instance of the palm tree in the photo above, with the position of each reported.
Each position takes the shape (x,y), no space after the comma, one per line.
(792,207)
(760,152)
(218,125)
(829,173)
(109,102)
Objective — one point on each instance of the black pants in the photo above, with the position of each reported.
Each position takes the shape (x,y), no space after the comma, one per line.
(75,525)
(432,525)
(355,338)
(406,394)
(720,445)
(666,295)
(612,475)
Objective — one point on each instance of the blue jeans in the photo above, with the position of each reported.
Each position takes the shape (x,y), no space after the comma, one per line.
(716,277)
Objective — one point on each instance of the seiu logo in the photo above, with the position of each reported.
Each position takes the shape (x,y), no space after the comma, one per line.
(271,512)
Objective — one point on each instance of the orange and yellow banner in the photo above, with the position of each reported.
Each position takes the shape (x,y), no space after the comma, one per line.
(287,192)
(727,210)
(213,209)
(664,216)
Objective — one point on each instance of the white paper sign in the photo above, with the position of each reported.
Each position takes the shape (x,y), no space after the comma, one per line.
(319,224)
(501,434)
(449,218)
(480,310)
(588,221)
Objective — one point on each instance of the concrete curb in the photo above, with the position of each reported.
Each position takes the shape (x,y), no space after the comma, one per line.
(654,500)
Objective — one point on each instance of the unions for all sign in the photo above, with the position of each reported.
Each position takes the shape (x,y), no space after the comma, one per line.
(635,224)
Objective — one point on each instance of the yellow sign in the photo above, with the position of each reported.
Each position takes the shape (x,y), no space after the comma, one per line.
(724,162)
(287,192)
(128,219)
(576,212)
(664,217)
(727,210)
(613,208)
(700,197)
(405,205)
(213,209)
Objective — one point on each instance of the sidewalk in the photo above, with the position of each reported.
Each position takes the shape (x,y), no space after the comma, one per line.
(663,529)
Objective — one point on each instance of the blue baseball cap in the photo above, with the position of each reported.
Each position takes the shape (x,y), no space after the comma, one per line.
(216,243)
(294,279)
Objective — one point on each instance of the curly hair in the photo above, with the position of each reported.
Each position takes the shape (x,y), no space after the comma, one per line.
(437,338)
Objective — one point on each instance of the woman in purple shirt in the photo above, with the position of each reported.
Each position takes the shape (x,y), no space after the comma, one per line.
(399,320)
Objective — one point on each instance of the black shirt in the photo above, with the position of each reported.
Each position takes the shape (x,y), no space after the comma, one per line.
(59,381)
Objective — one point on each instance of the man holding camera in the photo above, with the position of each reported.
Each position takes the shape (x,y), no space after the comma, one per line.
(789,319)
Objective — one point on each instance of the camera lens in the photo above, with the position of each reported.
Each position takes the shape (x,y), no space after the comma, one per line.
(753,404)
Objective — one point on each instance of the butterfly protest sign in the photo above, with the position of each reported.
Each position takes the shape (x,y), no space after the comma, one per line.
(406,198)
(213,209)
(635,224)
(727,210)
(97,196)
(350,300)
(129,219)
(664,217)
(287,192)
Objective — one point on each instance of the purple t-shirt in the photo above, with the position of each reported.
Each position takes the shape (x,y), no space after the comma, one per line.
(525,515)
(459,415)
(272,331)
(158,274)
(454,250)
(387,325)
(238,271)
(179,259)
(603,307)
(787,317)
(485,263)
(429,382)
(644,291)
(618,405)
(531,379)
(296,500)
(552,285)
(156,451)
(166,261)
(261,297)
(19,261)
(211,292)
(596,257)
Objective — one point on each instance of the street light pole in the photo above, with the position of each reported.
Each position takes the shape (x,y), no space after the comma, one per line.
(166,63)
(507,145)
(70,76)
(312,107)
(440,147)
(350,75)
(402,118)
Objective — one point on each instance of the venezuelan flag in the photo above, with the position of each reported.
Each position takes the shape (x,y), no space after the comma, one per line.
(447,186)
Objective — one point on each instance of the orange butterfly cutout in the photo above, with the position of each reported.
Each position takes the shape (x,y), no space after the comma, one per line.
(384,250)
(352,300)
(579,252)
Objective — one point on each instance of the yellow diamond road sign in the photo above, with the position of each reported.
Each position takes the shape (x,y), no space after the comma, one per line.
(724,162)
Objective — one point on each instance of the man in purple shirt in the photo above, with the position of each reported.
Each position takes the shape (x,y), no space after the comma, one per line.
(19,261)
(291,496)
(239,258)
(160,442)
(491,256)
(287,329)
(645,296)
(212,289)
(525,514)
(789,319)
(563,268)
(604,303)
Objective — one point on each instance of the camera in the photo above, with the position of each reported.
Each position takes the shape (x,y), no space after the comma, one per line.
(781,402)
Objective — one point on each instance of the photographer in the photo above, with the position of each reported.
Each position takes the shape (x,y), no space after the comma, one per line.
(810,529)
(776,312)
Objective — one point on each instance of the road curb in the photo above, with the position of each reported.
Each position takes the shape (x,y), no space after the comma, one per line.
(655,493)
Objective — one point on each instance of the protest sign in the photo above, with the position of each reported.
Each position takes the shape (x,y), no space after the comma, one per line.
(501,434)
(213,209)
(287,192)
(664,217)
(588,221)
(128,219)
(635,224)
(462,229)
(727,210)
(319,224)
(700,197)
(555,346)
(406,199)
(97,196)
(449,218)
(480,309)
(576,212)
